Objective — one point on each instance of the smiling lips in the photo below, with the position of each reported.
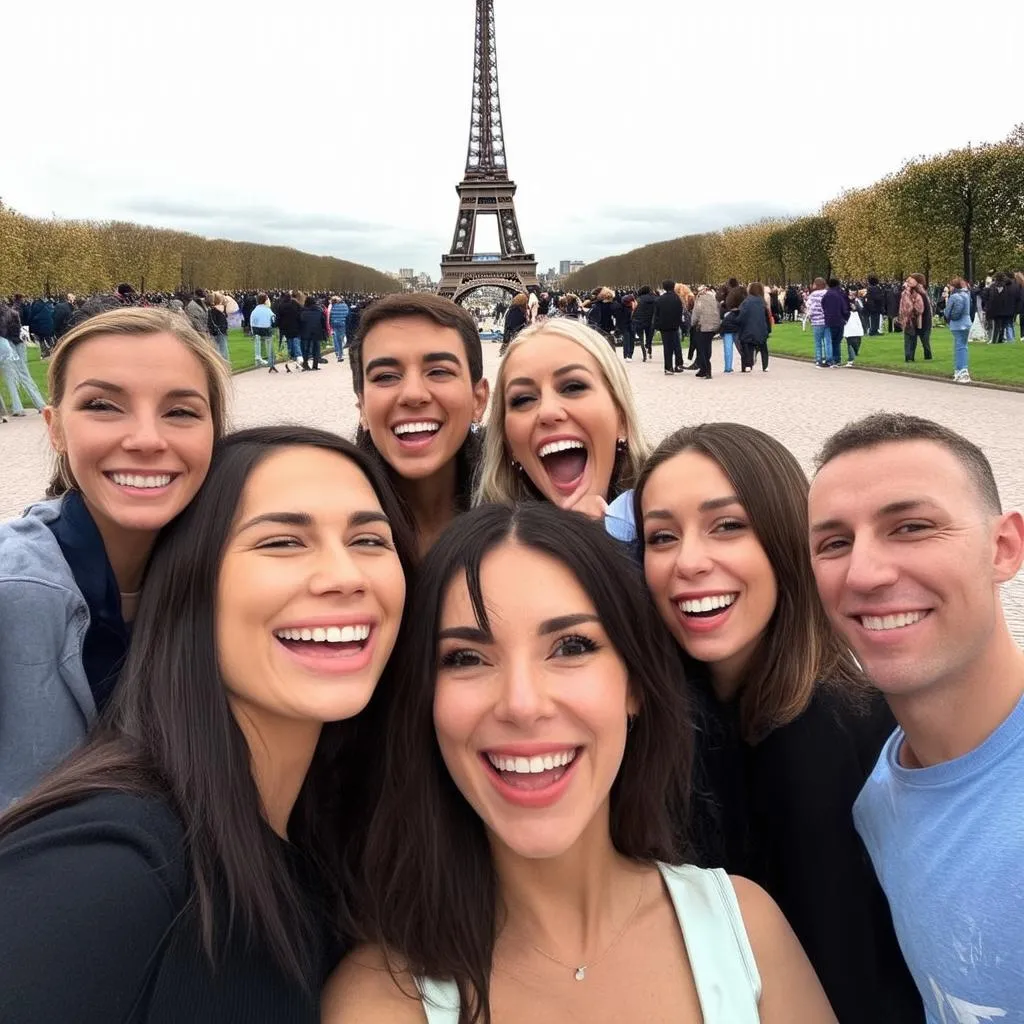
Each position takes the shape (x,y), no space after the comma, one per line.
(704,613)
(416,433)
(331,649)
(565,461)
(890,621)
(141,481)
(531,780)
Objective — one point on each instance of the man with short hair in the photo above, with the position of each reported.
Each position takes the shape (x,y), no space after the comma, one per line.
(668,318)
(910,545)
(198,312)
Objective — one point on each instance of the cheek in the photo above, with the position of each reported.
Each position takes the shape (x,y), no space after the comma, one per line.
(456,715)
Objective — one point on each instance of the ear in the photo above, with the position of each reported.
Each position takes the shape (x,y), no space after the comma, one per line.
(481,393)
(632,703)
(1007,546)
(53,427)
(362,413)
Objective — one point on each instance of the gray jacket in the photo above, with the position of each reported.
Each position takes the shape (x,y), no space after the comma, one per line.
(46,704)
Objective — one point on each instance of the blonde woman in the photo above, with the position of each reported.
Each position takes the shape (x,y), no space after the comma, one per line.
(563,425)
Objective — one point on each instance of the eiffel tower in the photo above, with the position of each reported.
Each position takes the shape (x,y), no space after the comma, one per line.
(486,189)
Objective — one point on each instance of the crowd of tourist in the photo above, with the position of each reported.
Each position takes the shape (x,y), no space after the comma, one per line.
(501,710)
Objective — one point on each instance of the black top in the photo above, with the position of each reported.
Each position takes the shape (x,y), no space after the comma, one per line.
(668,312)
(96,927)
(781,814)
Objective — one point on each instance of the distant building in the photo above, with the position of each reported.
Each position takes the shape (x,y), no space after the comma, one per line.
(563,267)
(575,265)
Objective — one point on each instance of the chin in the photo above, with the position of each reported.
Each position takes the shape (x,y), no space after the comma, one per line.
(533,843)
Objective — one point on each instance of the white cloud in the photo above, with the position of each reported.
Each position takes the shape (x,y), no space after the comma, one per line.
(342,127)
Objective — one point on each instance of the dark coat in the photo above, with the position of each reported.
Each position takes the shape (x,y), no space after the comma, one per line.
(668,312)
(311,324)
(643,315)
(288,317)
(1001,301)
(40,319)
(515,321)
(836,307)
(752,321)
(61,316)
(874,301)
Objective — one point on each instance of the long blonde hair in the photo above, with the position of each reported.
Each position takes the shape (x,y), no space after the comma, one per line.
(499,480)
(140,322)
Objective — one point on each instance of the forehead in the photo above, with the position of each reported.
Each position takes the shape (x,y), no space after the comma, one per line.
(136,361)
(545,353)
(519,585)
(859,483)
(304,479)
(410,338)
(687,478)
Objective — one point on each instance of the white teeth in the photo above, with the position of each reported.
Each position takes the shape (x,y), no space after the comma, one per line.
(532,765)
(423,427)
(326,634)
(136,480)
(559,446)
(706,604)
(883,622)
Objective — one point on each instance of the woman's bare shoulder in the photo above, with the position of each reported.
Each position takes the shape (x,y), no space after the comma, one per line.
(369,987)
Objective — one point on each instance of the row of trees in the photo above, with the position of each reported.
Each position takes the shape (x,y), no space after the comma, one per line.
(49,256)
(961,212)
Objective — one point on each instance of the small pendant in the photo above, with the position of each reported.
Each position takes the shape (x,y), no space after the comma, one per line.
(581,973)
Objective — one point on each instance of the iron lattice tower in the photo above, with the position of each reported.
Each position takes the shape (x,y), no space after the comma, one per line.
(486,189)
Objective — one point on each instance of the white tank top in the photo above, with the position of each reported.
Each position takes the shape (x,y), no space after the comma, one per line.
(724,970)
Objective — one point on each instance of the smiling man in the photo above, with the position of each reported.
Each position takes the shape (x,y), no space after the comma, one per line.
(910,545)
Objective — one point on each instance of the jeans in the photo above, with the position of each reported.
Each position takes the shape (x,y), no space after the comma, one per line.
(16,373)
(728,341)
(874,323)
(852,348)
(644,335)
(628,343)
(960,349)
(294,349)
(999,326)
(339,341)
(703,341)
(836,356)
(911,335)
(221,341)
(258,341)
(672,349)
(822,344)
(310,352)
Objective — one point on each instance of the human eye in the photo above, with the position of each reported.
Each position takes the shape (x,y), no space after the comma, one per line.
(384,378)
(520,401)
(659,538)
(832,546)
(371,540)
(99,405)
(574,387)
(728,526)
(462,657)
(905,529)
(575,645)
(183,412)
(278,544)
(442,372)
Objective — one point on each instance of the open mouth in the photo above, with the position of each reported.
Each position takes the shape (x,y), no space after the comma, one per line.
(531,774)
(416,434)
(142,481)
(565,462)
(888,623)
(325,641)
(706,607)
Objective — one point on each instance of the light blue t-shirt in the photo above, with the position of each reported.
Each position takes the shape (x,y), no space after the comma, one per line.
(947,843)
(618,520)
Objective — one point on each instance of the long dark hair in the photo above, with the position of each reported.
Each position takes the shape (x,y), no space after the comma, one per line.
(432,888)
(169,730)
(799,648)
(444,313)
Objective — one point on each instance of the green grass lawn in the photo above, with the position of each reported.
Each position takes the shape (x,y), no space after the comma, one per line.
(994,364)
(239,346)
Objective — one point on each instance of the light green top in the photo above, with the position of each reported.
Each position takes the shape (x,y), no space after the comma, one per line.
(724,971)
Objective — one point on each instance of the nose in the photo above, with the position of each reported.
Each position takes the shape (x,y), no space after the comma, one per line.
(551,408)
(144,434)
(868,568)
(692,557)
(414,389)
(335,571)
(523,699)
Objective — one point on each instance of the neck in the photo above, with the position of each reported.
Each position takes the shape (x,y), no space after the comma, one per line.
(127,551)
(569,906)
(954,717)
(281,751)
(432,501)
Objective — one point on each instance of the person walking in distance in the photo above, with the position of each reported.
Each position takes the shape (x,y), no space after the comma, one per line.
(874,306)
(706,321)
(915,316)
(261,323)
(910,546)
(338,317)
(958,315)
(754,326)
(835,307)
(668,318)
(15,371)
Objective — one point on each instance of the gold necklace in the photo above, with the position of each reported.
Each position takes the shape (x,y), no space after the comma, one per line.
(580,972)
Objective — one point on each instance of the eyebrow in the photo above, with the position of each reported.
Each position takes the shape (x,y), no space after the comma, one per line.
(561,372)
(116,389)
(894,508)
(474,634)
(429,357)
(305,520)
(711,505)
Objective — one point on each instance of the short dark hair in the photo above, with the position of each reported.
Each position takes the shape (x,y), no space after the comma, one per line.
(756,288)
(872,280)
(896,427)
(668,285)
(430,874)
(833,282)
(443,312)
(199,293)
(645,289)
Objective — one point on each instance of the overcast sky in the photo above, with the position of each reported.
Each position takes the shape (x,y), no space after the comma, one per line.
(340,126)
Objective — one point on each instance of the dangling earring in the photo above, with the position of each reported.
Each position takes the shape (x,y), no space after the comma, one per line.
(630,722)
(621,446)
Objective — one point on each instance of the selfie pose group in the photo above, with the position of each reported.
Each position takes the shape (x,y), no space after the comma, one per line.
(497,714)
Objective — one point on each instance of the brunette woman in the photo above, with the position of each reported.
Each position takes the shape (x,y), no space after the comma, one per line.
(521,862)
(180,867)
(517,318)
(417,371)
(789,731)
(563,426)
(137,399)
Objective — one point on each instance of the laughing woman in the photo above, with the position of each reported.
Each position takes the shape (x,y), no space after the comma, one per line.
(521,861)
(137,399)
(417,371)
(178,867)
(563,425)
(788,733)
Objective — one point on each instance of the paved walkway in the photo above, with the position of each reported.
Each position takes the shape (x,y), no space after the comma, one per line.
(796,402)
